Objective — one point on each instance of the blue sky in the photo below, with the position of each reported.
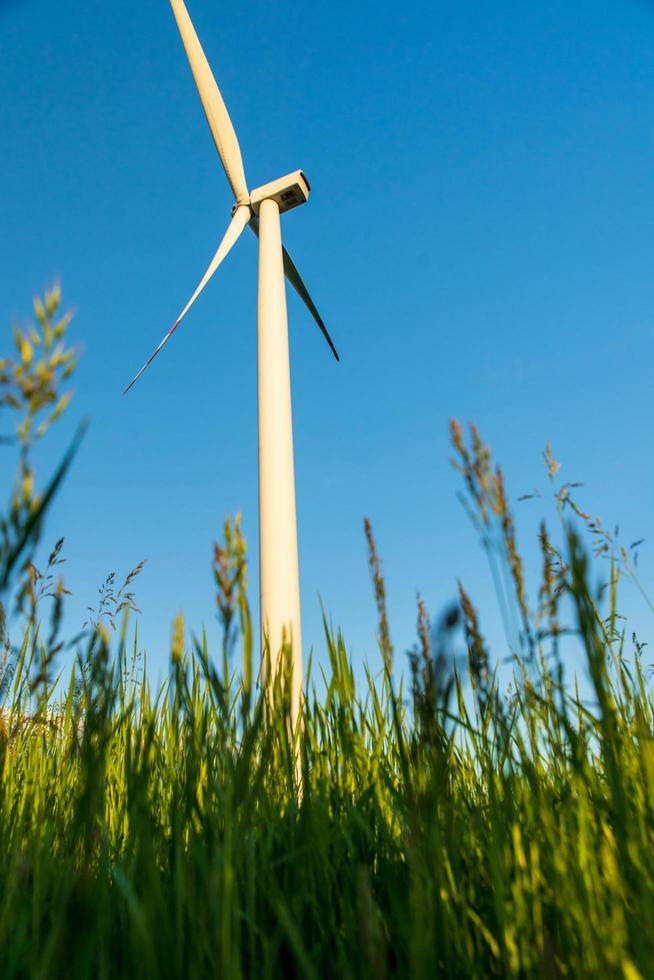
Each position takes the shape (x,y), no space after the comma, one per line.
(479,240)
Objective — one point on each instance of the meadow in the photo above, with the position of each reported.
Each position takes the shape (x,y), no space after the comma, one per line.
(436,820)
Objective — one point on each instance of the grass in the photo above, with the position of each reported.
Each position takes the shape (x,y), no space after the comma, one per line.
(433,822)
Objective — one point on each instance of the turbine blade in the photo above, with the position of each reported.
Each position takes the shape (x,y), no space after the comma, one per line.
(236,226)
(215,110)
(295,279)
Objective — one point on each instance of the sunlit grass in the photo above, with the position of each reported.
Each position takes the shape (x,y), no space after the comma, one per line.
(429,822)
(448,832)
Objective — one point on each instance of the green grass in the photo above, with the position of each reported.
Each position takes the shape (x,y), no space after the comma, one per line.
(444,832)
(431,822)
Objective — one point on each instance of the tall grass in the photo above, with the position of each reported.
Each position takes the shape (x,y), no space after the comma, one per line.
(430,822)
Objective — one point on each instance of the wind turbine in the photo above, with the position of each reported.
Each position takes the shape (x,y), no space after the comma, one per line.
(260,209)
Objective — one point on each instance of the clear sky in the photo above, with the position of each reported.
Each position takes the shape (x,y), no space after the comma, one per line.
(479,240)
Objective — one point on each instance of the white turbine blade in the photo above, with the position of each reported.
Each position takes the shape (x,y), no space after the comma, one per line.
(220,124)
(295,279)
(236,226)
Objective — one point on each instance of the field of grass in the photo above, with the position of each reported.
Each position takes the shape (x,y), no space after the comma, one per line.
(434,822)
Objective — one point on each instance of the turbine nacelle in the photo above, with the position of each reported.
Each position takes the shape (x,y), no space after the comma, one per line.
(289,192)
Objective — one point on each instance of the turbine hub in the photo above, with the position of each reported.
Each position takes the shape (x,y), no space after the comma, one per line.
(289,192)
